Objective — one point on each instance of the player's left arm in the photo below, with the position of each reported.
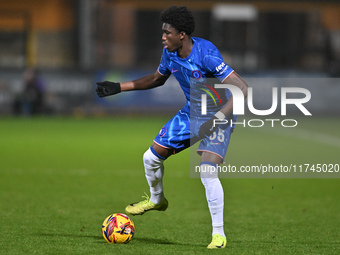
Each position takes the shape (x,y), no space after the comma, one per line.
(209,126)
(236,80)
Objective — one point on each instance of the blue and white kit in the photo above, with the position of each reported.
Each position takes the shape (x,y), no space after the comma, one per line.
(193,73)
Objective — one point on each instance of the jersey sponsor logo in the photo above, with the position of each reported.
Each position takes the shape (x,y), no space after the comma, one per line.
(221,67)
(196,74)
(162,132)
(174,70)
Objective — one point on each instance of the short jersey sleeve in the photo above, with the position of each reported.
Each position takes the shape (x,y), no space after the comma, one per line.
(163,67)
(215,65)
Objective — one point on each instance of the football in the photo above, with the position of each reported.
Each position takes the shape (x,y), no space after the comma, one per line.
(118,228)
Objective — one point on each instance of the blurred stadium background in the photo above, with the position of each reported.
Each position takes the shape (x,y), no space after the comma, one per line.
(61,177)
(73,43)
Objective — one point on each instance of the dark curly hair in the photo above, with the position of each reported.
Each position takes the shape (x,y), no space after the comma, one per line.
(180,18)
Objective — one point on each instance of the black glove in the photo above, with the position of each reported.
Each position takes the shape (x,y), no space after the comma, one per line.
(107,88)
(208,127)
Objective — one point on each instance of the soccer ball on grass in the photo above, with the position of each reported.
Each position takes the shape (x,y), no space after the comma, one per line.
(118,228)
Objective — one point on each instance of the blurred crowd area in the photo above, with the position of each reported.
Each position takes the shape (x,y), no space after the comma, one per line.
(53,51)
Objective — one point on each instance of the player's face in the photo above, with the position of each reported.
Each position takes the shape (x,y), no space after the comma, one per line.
(172,39)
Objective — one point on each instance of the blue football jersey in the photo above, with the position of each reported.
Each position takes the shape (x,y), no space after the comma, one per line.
(204,61)
(193,73)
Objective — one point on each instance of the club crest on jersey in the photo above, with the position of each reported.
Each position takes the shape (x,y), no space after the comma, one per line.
(196,74)
(162,132)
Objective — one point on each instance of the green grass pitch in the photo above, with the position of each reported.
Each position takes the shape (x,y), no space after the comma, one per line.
(61,177)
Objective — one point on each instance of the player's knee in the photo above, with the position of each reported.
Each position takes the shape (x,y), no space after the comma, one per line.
(207,180)
(147,157)
(151,160)
(208,173)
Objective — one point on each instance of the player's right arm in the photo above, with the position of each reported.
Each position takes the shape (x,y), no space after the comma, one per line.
(107,88)
(147,82)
